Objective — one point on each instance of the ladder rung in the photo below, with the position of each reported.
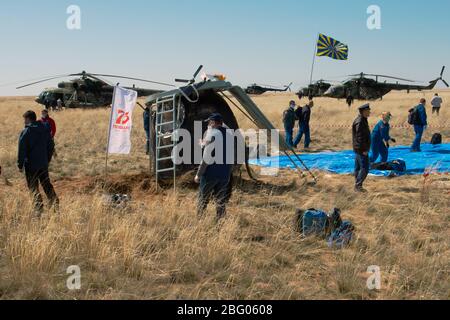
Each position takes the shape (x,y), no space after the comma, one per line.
(166,147)
(164,159)
(165,170)
(165,123)
(165,112)
(165,135)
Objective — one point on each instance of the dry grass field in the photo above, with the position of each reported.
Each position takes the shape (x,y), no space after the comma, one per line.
(157,248)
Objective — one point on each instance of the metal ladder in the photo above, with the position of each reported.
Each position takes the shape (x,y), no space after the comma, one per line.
(165,129)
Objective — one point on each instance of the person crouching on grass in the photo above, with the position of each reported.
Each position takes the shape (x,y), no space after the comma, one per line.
(215,179)
(381,138)
(36,149)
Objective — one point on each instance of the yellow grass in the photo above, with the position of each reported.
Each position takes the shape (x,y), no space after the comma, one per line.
(158,249)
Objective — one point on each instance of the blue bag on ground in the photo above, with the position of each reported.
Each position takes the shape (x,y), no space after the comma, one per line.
(342,236)
(398,165)
(314,222)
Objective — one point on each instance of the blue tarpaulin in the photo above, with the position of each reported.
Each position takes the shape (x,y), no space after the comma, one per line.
(437,157)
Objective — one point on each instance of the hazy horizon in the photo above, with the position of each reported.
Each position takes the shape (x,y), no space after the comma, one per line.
(267,42)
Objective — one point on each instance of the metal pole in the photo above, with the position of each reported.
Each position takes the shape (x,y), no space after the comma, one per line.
(109,132)
(314,60)
(305,166)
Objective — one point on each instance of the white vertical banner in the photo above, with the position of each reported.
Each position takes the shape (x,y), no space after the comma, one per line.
(121,123)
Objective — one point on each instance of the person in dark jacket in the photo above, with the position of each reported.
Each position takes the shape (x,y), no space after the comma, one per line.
(361,146)
(420,125)
(289,118)
(146,117)
(214,175)
(304,129)
(36,149)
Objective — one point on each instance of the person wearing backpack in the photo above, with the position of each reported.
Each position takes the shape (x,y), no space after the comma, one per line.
(304,118)
(381,138)
(418,118)
(289,118)
(361,146)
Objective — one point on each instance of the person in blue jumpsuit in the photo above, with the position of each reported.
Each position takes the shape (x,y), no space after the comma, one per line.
(381,139)
(420,125)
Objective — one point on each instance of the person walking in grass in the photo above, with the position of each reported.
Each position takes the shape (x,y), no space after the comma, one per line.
(36,149)
(420,123)
(304,118)
(361,146)
(436,103)
(48,122)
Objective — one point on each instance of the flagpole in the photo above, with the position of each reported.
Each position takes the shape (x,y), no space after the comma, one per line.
(109,133)
(314,60)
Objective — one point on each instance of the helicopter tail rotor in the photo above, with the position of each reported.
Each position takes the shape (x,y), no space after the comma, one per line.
(288,87)
(442,79)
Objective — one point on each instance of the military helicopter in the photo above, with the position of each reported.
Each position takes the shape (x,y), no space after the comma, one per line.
(316,89)
(361,87)
(87,91)
(256,89)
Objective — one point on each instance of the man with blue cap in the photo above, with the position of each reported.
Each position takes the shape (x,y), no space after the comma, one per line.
(361,146)
(214,174)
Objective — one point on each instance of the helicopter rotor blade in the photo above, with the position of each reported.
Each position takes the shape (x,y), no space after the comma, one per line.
(442,72)
(395,78)
(198,71)
(445,82)
(44,80)
(381,76)
(129,78)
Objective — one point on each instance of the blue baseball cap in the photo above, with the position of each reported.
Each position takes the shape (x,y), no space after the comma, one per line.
(364,107)
(215,117)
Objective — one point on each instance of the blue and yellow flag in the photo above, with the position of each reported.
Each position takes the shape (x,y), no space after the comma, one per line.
(329,47)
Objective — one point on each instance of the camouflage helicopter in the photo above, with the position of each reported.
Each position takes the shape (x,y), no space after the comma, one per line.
(87,91)
(256,89)
(361,87)
(316,89)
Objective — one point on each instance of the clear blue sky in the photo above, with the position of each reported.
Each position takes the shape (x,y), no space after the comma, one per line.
(264,41)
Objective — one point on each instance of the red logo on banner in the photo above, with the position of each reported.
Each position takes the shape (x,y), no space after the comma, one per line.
(122,120)
(123,117)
